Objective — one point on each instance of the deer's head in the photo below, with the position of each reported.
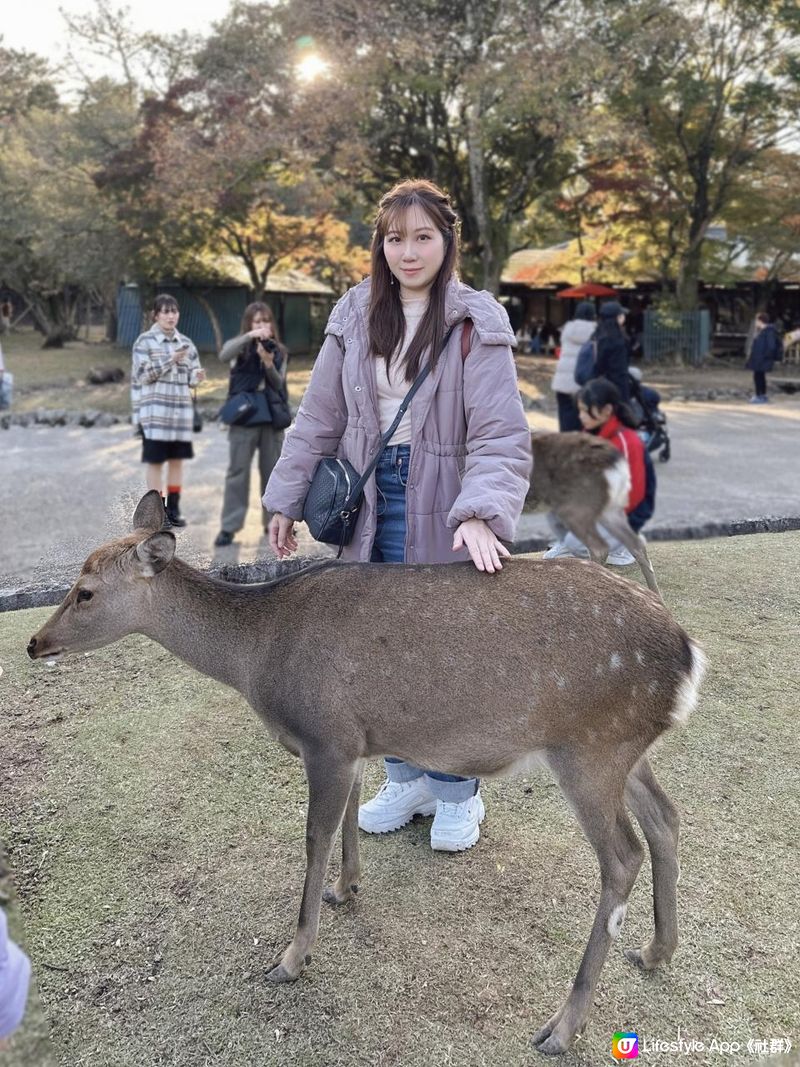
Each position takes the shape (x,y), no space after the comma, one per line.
(113,594)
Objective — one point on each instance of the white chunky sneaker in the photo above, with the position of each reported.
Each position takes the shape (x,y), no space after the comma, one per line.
(456,827)
(560,549)
(620,557)
(394,805)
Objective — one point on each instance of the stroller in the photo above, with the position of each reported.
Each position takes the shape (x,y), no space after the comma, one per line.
(644,402)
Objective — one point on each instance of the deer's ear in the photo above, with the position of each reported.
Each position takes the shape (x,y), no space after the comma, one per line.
(154,553)
(149,514)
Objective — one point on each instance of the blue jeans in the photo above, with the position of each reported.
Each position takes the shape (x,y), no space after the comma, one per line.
(389,546)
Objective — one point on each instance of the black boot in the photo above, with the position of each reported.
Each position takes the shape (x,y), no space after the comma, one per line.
(174,517)
(166,524)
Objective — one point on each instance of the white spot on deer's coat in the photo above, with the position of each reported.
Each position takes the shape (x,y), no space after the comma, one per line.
(686,696)
(615,662)
(616,919)
(652,688)
(560,680)
(640,657)
(618,478)
(619,619)
(596,610)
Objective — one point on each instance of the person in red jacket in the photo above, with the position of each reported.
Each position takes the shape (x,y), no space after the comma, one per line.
(602,412)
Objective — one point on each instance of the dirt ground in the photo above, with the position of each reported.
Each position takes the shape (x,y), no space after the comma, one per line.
(155,844)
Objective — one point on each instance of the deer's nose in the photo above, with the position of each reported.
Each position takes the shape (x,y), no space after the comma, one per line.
(32,647)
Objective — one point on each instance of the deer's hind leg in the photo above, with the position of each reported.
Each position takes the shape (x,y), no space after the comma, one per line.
(584,527)
(599,806)
(617,525)
(330,787)
(346,885)
(658,818)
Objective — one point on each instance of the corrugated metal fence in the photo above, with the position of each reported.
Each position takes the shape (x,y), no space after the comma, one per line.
(684,335)
(228,305)
(301,317)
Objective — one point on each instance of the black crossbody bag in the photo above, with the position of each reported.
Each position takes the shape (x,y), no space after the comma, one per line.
(336,491)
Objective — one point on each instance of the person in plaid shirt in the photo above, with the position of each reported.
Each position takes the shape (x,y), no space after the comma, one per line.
(166,367)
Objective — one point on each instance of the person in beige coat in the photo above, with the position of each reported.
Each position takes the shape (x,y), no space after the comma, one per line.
(451,483)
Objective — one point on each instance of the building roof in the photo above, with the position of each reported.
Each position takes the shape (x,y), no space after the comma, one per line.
(231,270)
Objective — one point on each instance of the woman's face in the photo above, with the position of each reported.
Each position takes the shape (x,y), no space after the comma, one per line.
(591,418)
(260,319)
(621,318)
(414,250)
(167,319)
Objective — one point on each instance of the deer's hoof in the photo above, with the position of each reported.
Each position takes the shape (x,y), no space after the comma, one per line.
(280,974)
(547,1041)
(334,894)
(552,1046)
(644,958)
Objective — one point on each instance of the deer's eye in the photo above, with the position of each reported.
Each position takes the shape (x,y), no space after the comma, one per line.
(84,594)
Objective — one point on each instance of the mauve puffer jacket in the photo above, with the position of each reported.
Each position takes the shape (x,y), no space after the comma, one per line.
(470,451)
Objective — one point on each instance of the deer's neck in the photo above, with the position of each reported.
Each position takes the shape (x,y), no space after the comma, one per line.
(219,629)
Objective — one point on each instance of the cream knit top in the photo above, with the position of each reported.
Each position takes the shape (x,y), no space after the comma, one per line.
(392,389)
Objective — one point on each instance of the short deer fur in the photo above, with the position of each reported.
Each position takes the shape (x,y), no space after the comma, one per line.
(443,666)
(584,481)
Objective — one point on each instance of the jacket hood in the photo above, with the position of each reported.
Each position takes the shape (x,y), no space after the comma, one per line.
(490,318)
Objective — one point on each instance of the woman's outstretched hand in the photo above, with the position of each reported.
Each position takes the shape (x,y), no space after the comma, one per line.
(282,540)
(484,548)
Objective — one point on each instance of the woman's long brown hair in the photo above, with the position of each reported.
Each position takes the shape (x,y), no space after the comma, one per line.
(250,313)
(387,323)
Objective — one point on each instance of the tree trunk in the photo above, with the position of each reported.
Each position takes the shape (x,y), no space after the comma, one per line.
(688,280)
(212,318)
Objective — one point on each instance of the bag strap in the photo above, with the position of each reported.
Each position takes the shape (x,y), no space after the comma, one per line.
(466,339)
(358,488)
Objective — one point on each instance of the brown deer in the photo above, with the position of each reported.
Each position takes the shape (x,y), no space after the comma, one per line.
(584,481)
(446,667)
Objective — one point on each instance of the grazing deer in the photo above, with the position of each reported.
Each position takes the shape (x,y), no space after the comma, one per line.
(584,481)
(442,666)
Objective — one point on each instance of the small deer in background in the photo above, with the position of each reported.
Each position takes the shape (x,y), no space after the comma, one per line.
(584,481)
(563,663)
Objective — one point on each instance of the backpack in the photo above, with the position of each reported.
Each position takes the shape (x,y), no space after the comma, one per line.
(647,505)
(586,363)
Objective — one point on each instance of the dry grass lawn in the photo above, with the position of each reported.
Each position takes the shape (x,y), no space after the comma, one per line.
(155,835)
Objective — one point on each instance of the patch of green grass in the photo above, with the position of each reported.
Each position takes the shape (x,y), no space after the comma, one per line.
(156,835)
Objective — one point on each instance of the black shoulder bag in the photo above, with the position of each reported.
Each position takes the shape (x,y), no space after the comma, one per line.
(334,496)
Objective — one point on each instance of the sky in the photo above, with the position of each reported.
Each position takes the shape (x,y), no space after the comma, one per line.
(37,26)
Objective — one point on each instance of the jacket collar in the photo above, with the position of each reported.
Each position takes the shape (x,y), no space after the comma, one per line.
(610,429)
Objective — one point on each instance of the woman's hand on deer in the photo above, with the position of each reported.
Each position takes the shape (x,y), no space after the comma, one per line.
(282,540)
(484,548)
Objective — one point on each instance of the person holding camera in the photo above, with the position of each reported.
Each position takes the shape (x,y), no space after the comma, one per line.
(257,412)
(166,367)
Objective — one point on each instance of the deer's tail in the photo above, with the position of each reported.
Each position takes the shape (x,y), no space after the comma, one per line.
(689,688)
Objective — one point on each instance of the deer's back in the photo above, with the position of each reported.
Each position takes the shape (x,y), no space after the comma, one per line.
(526,656)
(567,466)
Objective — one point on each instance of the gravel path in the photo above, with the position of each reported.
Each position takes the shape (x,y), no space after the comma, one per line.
(63,491)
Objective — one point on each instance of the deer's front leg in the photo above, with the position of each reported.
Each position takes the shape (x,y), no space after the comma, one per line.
(330,784)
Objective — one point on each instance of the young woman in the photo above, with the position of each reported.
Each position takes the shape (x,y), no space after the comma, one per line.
(451,483)
(259,366)
(613,352)
(602,412)
(574,335)
(166,367)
